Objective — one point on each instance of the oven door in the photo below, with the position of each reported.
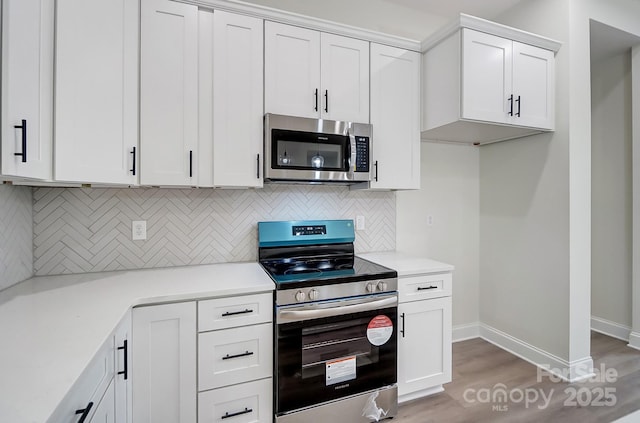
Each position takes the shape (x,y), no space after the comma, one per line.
(333,349)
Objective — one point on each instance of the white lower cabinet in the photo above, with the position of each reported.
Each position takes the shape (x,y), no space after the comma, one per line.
(164,363)
(91,399)
(249,402)
(106,411)
(424,347)
(234,355)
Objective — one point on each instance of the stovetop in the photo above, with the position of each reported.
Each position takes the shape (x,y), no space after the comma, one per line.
(314,272)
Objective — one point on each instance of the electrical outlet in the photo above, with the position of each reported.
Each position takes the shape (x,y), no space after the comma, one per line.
(429,220)
(360,223)
(139,230)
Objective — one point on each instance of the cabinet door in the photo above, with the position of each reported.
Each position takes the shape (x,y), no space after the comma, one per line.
(291,70)
(237,100)
(424,350)
(344,77)
(122,376)
(105,411)
(96,119)
(164,363)
(395,116)
(486,77)
(168,93)
(533,86)
(27,87)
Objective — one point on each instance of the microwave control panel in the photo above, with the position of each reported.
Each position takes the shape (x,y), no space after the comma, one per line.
(362,154)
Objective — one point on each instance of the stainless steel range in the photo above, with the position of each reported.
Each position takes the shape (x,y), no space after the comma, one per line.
(336,324)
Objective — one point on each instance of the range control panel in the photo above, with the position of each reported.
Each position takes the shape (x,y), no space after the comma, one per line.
(309,230)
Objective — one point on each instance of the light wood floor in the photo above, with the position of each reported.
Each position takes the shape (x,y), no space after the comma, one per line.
(479,366)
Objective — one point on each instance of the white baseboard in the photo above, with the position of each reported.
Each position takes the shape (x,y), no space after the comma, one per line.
(634,340)
(569,371)
(465,331)
(609,328)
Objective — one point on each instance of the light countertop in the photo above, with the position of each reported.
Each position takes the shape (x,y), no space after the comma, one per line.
(407,264)
(52,326)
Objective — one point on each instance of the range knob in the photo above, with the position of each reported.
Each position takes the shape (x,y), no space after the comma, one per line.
(300,296)
(314,294)
(382,286)
(371,287)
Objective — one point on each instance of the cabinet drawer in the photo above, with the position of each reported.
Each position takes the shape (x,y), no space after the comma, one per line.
(223,313)
(413,288)
(234,355)
(89,388)
(245,403)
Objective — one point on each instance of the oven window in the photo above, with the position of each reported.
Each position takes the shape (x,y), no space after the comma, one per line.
(308,151)
(324,359)
(327,345)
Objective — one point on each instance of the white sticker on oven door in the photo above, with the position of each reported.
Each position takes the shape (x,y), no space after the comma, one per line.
(340,370)
(379,330)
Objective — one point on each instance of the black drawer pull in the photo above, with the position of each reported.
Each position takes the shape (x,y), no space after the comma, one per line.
(244,354)
(133,168)
(84,412)
(24,140)
(125,370)
(233,313)
(402,331)
(239,413)
(424,288)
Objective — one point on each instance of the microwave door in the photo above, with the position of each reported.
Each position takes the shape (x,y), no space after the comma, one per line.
(309,151)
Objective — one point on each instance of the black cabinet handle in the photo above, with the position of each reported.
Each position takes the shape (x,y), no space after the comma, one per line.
(376,166)
(519,103)
(258,166)
(125,363)
(326,101)
(402,330)
(84,412)
(24,140)
(244,354)
(133,168)
(424,288)
(233,313)
(190,163)
(510,105)
(245,411)
(316,95)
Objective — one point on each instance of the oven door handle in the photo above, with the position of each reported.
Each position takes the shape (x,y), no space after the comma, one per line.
(298,315)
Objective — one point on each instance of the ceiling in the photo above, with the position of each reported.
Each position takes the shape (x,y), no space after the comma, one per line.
(449,9)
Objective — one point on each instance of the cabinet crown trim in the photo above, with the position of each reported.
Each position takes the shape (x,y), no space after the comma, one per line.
(309,22)
(483,25)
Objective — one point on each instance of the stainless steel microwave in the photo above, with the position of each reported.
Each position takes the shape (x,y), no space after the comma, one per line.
(303,150)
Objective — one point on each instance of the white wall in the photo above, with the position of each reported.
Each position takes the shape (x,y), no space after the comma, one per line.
(375,15)
(524,211)
(16,235)
(611,189)
(450,195)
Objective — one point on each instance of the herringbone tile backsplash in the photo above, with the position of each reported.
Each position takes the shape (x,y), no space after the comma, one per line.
(89,230)
(15,235)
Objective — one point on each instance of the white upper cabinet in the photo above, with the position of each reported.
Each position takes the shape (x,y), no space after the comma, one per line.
(96,103)
(168,93)
(344,78)
(231,99)
(506,81)
(292,70)
(395,116)
(485,82)
(315,75)
(27,88)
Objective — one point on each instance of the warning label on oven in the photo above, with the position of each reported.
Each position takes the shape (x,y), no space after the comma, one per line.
(340,370)
(379,330)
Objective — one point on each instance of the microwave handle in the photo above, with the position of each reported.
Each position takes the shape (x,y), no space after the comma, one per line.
(352,153)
